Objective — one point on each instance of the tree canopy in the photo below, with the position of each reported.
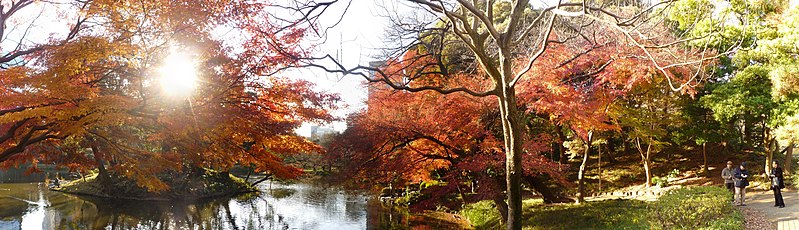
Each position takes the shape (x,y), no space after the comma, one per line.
(96,98)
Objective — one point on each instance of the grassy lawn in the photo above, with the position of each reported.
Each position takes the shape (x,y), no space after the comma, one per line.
(609,214)
(683,208)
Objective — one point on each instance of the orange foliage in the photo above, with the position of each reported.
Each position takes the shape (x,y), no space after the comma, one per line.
(94,98)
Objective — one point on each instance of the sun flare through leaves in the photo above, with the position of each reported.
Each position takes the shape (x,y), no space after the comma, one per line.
(178,73)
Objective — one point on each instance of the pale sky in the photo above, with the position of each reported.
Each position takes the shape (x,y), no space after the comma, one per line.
(354,41)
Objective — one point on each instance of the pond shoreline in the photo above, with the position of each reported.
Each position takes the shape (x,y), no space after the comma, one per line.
(208,185)
(215,196)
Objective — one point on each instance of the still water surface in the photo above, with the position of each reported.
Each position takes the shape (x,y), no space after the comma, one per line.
(284,206)
(279,206)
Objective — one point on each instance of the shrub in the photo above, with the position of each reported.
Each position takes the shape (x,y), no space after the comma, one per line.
(410,198)
(674,174)
(695,208)
(482,215)
(606,214)
(660,181)
(427,184)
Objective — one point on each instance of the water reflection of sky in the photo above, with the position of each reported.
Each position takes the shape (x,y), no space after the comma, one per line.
(300,206)
(34,217)
(294,206)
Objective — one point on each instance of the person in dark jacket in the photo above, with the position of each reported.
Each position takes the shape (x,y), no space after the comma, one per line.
(741,181)
(777,184)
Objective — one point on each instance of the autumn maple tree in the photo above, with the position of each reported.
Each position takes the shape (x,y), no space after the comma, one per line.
(503,44)
(94,97)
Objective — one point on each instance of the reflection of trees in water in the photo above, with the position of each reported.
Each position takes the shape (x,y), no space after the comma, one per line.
(280,193)
(354,207)
(205,214)
(317,195)
(10,208)
(307,208)
(386,217)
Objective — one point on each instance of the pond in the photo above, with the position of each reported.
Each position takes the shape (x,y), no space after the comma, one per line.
(278,206)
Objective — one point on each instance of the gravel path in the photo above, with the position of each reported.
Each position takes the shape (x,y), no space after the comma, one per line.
(755,219)
(760,205)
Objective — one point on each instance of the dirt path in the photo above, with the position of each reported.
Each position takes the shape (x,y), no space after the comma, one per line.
(784,218)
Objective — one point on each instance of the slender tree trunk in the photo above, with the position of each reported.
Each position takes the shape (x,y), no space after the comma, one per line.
(249,172)
(502,207)
(704,156)
(788,159)
(648,173)
(581,173)
(267,177)
(599,168)
(645,160)
(768,143)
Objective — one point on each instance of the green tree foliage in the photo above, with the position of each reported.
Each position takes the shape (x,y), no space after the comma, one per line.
(753,89)
(649,114)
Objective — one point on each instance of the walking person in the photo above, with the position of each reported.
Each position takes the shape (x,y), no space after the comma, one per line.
(728,173)
(777,184)
(741,181)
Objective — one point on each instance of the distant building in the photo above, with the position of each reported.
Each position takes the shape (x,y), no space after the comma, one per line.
(371,87)
(318,132)
(373,74)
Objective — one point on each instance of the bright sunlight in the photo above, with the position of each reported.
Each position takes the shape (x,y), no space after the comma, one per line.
(178,74)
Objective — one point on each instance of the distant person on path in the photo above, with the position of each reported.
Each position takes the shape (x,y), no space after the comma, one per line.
(728,173)
(741,181)
(777,184)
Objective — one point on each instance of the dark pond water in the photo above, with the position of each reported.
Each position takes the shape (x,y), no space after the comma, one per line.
(280,206)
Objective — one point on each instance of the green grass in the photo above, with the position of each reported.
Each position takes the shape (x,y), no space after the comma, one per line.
(691,208)
(610,214)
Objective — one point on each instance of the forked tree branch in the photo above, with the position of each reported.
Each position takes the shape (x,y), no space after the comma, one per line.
(384,78)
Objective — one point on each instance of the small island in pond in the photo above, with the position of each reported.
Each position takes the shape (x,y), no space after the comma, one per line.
(198,184)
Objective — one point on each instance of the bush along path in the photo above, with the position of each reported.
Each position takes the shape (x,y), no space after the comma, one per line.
(782,218)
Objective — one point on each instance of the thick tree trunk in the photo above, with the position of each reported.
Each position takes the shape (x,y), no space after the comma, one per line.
(581,173)
(745,130)
(611,147)
(549,195)
(99,157)
(513,149)
(786,165)
(561,150)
